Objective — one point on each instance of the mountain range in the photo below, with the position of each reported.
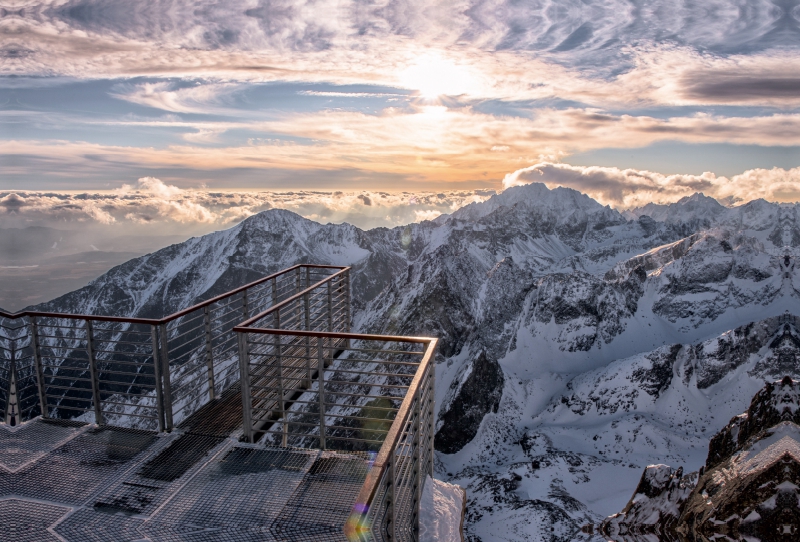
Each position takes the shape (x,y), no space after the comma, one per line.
(578,344)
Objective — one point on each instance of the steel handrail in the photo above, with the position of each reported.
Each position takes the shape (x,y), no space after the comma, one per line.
(375,474)
(171,317)
(295,297)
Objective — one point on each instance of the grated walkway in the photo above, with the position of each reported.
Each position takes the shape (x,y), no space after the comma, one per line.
(76,482)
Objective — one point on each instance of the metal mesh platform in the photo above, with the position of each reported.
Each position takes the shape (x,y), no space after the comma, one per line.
(219,417)
(23,521)
(322,502)
(72,472)
(115,485)
(32,440)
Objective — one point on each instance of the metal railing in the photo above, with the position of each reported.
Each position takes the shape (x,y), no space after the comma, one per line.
(305,380)
(354,392)
(136,372)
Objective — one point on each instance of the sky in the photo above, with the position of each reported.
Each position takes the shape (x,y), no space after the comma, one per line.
(196,113)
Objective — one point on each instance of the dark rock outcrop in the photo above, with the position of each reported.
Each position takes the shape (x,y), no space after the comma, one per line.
(478,395)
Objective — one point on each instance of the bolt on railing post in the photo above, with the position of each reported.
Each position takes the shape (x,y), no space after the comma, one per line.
(321,371)
(157,376)
(95,379)
(37,361)
(166,377)
(209,352)
(247,400)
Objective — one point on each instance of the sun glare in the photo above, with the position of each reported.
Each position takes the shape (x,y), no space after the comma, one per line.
(434,76)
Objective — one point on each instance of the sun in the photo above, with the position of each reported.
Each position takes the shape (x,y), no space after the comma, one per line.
(433,76)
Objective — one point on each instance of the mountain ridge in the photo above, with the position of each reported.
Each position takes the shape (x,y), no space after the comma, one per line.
(542,299)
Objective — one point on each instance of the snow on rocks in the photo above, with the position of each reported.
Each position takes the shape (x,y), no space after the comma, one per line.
(441,512)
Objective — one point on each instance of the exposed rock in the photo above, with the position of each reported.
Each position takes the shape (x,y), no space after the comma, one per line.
(476,394)
(748,486)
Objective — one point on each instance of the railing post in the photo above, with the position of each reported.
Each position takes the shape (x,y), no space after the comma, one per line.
(37,360)
(431,413)
(98,411)
(209,352)
(245,308)
(274,291)
(330,317)
(157,376)
(330,306)
(9,414)
(321,371)
(347,324)
(166,377)
(307,308)
(391,506)
(281,402)
(416,472)
(247,401)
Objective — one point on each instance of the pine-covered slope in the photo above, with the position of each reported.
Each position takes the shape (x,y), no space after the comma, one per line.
(577,346)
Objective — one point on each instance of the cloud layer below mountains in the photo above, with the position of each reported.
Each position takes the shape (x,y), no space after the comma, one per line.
(149,205)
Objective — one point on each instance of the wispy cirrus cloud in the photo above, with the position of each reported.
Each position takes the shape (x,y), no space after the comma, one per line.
(199,98)
(512,50)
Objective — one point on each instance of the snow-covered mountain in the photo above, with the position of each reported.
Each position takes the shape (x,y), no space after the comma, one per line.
(578,344)
(746,490)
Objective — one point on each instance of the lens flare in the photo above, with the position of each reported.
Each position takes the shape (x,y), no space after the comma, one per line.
(357,527)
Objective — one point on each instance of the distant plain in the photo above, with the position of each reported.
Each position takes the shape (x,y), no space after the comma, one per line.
(38,264)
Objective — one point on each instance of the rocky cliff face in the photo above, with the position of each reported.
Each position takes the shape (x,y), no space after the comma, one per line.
(577,346)
(747,489)
(471,396)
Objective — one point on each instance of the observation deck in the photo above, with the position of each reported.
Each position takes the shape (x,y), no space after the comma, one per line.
(254,415)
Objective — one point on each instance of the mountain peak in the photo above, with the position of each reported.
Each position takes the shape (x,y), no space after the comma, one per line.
(533,196)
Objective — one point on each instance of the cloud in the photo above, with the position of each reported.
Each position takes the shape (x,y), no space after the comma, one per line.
(152,207)
(430,144)
(159,207)
(199,98)
(332,94)
(629,188)
(598,51)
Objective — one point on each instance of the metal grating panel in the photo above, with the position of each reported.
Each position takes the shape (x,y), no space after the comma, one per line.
(244,491)
(219,417)
(22,521)
(179,457)
(87,525)
(73,471)
(31,441)
(320,505)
